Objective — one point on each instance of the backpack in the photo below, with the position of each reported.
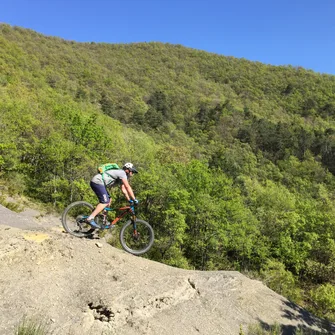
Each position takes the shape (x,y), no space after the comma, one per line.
(108,166)
(103,168)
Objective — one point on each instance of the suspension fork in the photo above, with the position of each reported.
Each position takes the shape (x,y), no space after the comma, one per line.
(133,219)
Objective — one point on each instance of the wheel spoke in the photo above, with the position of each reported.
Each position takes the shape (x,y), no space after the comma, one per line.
(74,219)
(139,240)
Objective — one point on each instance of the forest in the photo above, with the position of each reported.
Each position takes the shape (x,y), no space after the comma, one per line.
(235,158)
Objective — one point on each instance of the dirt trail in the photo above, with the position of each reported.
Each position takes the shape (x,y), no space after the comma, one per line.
(81,286)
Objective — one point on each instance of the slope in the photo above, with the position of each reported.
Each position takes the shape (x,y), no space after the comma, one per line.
(84,286)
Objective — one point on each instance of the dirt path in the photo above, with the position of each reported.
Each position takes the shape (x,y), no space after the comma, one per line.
(29,219)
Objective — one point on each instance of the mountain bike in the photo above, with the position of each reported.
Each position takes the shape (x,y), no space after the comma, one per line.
(136,236)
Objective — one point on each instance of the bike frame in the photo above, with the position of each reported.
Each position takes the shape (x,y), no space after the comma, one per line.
(123,212)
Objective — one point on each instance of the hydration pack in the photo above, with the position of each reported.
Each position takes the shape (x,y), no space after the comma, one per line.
(108,166)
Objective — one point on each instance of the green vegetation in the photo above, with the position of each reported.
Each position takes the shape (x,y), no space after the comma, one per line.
(236,158)
(269,330)
(31,326)
(276,329)
(13,206)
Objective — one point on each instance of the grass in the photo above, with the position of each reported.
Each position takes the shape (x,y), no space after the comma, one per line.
(31,326)
(13,206)
(259,330)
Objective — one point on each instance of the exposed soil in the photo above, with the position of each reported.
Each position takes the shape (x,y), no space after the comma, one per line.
(85,286)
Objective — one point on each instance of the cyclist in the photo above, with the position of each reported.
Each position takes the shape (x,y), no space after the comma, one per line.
(111,178)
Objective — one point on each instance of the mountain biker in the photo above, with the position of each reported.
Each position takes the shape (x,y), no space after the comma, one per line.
(111,178)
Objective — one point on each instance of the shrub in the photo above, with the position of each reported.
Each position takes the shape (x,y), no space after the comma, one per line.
(324,300)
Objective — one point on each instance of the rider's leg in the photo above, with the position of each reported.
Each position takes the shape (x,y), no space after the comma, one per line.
(110,203)
(97,210)
(104,200)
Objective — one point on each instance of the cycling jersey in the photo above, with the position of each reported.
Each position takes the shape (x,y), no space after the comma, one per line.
(110,178)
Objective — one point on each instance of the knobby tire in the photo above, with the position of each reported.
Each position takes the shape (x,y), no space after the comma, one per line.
(72,219)
(140,244)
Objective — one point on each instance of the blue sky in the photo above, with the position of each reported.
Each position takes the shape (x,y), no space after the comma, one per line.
(276,32)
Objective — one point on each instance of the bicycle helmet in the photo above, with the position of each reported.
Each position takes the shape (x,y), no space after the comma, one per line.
(130,167)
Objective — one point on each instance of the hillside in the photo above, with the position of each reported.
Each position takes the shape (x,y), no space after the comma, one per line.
(236,158)
(81,286)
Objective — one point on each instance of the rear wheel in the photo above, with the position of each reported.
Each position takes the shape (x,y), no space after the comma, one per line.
(74,219)
(137,238)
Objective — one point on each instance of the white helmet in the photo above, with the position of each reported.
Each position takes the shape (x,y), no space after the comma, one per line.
(130,167)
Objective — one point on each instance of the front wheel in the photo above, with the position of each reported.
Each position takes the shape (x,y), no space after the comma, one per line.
(137,237)
(74,219)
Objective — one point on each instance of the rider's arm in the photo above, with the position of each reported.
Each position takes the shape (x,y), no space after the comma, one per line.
(127,190)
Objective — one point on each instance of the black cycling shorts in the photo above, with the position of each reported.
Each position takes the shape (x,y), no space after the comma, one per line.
(101,192)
